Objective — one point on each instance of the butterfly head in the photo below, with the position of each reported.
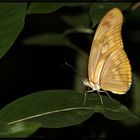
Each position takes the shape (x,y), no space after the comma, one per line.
(85,81)
(90,84)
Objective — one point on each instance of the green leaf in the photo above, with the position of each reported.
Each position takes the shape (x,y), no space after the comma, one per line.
(18,130)
(113,110)
(12,17)
(61,108)
(44,7)
(78,30)
(51,108)
(98,10)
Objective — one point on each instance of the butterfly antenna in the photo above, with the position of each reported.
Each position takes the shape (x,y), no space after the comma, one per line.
(84,102)
(74,69)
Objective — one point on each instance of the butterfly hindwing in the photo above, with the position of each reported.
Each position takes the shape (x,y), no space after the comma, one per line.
(116,73)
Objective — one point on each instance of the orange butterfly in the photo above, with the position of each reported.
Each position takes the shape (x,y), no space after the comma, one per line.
(109,68)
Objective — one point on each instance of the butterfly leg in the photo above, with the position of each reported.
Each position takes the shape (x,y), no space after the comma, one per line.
(85,95)
(106,93)
(100,97)
(84,98)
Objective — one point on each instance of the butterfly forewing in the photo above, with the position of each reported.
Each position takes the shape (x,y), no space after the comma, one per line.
(108,63)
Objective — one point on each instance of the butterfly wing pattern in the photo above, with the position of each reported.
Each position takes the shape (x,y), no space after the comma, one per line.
(109,68)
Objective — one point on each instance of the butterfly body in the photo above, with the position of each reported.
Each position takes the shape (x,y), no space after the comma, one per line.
(93,86)
(109,68)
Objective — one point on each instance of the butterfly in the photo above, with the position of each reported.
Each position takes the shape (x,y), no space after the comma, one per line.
(109,68)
